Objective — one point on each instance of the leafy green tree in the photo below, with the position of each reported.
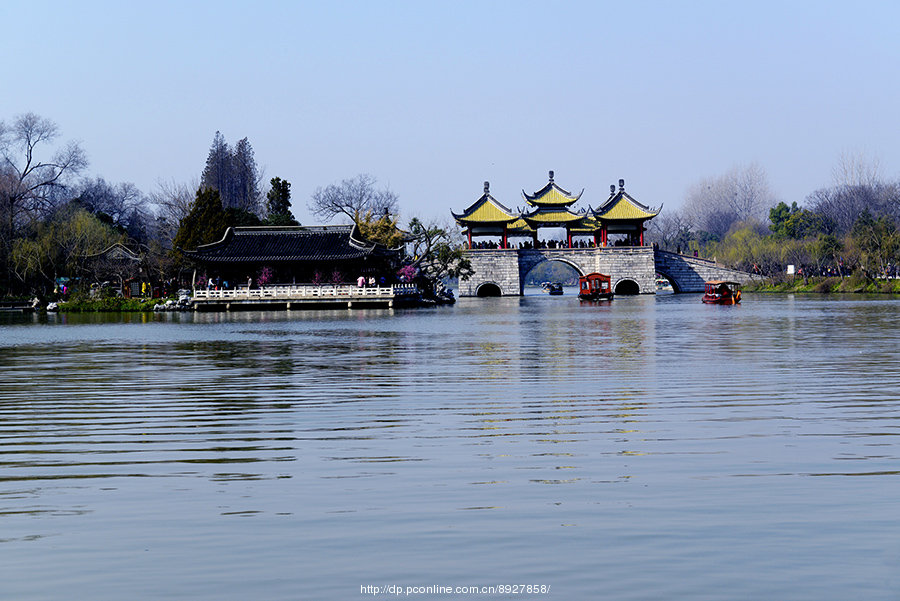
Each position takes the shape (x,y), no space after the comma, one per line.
(60,246)
(877,240)
(804,224)
(794,222)
(240,218)
(278,203)
(382,230)
(827,251)
(798,253)
(205,223)
(434,253)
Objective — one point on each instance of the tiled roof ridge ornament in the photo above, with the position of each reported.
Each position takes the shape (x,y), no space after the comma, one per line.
(487,187)
(551,176)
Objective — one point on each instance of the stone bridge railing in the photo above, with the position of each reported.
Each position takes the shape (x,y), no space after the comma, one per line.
(689,274)
(300,292)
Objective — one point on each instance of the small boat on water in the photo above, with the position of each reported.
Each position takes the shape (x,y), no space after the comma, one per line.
(594,286)
(554,289)
(722,292)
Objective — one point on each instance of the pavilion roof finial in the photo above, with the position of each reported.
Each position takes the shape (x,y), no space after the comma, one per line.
(621,185)
(487,187)
(551,175)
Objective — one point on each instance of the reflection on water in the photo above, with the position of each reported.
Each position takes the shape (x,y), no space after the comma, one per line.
(655,446)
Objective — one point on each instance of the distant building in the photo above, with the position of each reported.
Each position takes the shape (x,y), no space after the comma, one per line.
(121,266)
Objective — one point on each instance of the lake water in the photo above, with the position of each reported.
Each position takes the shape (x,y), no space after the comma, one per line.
(647,448)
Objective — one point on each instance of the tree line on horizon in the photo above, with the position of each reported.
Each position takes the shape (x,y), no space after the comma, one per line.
(847,227)
(53,215)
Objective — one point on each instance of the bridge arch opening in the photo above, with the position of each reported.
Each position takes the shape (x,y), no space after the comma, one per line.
(552,270)
(488,289)
(665,284)
(627,288)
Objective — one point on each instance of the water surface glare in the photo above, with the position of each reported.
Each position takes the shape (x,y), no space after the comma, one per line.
(646,448)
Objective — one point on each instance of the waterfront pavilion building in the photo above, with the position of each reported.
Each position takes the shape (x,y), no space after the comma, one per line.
(552,207)
(488,217)
(622,214)
(295,254)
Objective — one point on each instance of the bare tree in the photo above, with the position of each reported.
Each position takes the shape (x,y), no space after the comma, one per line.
(752,195)
(856,169)
(353,198)
(172,201)
(671,230)
(115,201)
(27,182)
(841,206)
(715,204)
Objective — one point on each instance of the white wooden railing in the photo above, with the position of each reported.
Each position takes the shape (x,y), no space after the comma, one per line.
(305,291)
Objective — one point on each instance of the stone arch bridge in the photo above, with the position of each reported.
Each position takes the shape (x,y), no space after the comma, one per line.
(501,272)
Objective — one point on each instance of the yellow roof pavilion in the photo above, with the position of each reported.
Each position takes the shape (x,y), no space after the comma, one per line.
(620,206)
(546,217)
(551,195)
(485,211)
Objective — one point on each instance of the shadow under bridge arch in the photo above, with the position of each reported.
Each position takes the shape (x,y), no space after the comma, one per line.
(627,287)
(488,289)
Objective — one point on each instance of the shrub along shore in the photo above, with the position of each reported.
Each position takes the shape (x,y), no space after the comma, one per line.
(109,305)
(852,284)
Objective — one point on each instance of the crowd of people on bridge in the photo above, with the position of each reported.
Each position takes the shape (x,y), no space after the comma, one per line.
(542,244)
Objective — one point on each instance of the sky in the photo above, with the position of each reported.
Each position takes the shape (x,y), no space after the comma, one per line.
(434,98)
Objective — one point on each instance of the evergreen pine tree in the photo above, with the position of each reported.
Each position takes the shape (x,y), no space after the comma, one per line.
(217,175)
(245,178)
(278,203)
(205,223)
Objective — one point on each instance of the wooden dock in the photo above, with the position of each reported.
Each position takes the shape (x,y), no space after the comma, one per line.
(304,296)
(16,307)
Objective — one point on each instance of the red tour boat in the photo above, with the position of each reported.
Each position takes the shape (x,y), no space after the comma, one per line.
(721,292)
(594,286)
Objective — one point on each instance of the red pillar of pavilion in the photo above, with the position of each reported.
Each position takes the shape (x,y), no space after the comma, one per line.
(569,237)
(469,232)
(505,239)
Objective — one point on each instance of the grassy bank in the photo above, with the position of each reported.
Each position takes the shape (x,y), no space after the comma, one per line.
(111,305)
(850,284)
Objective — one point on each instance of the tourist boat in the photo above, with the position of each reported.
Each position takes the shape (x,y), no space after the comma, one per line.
(721,292)
(595,286)
(554,289)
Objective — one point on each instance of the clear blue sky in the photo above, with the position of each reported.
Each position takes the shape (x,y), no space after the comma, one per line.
(434,98)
